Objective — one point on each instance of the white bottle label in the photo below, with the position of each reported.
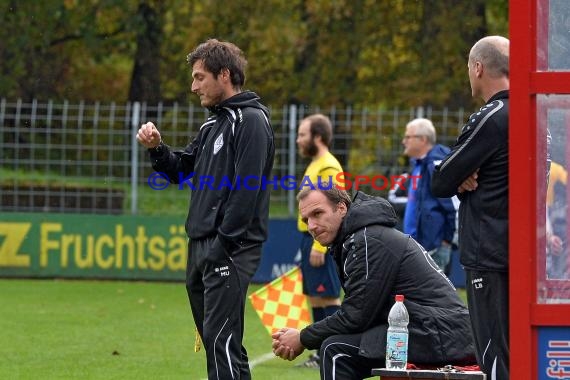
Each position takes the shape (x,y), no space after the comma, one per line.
(397,347)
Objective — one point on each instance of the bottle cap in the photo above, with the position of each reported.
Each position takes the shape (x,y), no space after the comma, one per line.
(399,297)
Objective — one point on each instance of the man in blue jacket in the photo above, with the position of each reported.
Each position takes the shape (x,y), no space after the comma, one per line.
(428,219)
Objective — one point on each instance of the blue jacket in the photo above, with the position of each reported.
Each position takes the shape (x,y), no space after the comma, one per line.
(435,217)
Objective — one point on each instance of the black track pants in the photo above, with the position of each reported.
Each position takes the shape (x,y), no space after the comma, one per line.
(488,300)
(217,282)
(340,359)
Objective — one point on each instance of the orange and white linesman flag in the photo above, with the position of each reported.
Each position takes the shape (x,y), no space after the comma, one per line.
(281,303)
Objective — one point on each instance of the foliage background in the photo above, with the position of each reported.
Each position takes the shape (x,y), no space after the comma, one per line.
(342,52)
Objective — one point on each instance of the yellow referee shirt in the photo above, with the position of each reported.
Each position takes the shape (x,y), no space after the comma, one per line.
(557,175)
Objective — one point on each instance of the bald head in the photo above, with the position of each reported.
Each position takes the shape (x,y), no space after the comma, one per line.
(488,67)
(493,53)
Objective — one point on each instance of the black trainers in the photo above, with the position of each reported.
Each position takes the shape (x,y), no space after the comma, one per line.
(313,361)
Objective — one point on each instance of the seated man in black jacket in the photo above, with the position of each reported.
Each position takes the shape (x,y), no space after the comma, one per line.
(375,262)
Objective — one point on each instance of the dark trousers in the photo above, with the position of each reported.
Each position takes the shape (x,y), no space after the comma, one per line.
(217,282)
(488,300)
(340,359)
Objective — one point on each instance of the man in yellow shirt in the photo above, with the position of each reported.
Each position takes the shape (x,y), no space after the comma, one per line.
(557,265)
(320,279)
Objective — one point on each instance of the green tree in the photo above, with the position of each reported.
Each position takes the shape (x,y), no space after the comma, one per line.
(345,52)
(65,49)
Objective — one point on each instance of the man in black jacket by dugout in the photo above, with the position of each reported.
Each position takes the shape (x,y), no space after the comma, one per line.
(477,171)
(375,262)
(227,221)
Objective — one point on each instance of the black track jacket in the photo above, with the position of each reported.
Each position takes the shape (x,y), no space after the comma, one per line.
(224,166)
(484,213)
(375,262)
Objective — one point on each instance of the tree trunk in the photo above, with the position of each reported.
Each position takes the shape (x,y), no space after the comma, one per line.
(145,82)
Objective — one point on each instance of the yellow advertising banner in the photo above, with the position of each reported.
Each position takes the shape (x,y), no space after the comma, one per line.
(95,246)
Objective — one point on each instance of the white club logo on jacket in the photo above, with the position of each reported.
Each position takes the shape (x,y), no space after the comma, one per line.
(219,143)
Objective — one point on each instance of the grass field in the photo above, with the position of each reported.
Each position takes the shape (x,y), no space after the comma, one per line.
(62,329)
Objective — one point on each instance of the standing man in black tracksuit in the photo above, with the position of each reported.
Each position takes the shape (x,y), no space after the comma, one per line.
(375,262)
(477,171)
(225,166)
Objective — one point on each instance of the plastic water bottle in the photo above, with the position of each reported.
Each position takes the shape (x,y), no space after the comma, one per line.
(397,337)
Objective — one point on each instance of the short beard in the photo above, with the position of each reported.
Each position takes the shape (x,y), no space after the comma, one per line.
(311,150)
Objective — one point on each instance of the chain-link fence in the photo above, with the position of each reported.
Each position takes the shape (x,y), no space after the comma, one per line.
(79,157)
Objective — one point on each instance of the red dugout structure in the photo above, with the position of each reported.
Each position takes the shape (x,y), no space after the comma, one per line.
(540,101)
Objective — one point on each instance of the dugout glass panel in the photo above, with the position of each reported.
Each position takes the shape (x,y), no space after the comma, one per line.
(553,122)
(553,45)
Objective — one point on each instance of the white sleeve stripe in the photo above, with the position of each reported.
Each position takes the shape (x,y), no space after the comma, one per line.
(366,251)
(208,122)
(232,112)
(232,119)
(265,116)
(477,129)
